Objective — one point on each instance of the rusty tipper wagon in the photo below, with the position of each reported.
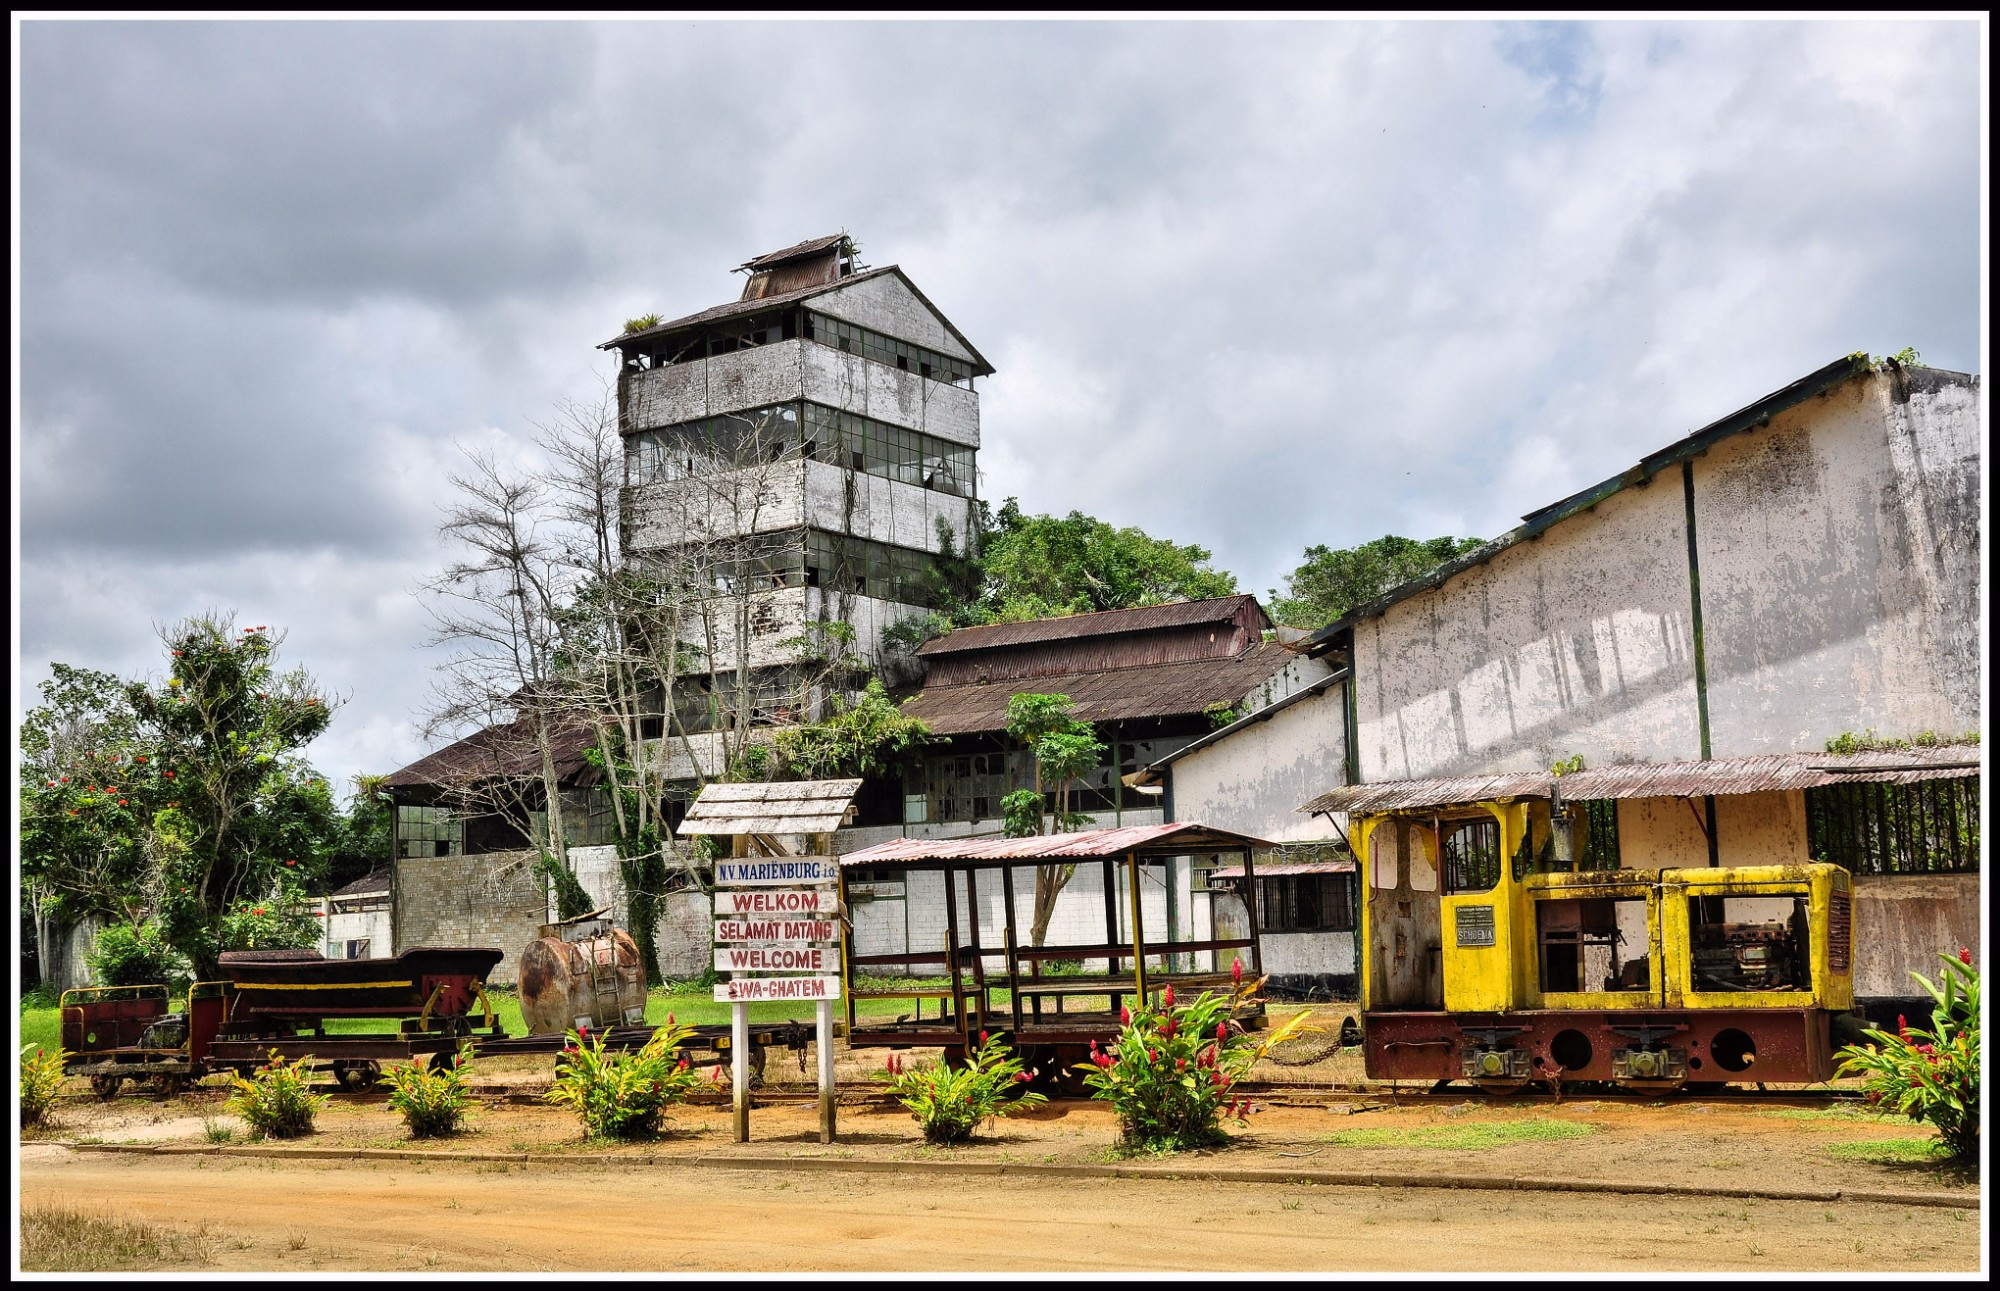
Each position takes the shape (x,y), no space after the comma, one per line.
(281,1000)
(1051,1000)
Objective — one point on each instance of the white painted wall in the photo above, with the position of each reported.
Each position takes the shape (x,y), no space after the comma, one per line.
(883,510)
(886,304)
(343,926)
(1253,780)
(1840,591)
(854,384)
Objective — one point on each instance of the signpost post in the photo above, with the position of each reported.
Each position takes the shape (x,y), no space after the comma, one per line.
(778,939)
(778,921)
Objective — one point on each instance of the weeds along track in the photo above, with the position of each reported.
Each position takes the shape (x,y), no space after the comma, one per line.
(1349,1097)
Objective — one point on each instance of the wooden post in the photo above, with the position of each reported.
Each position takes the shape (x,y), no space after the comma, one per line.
(739,1066)
(826,1103)
(1250,905)
(1138,927)
(951,949)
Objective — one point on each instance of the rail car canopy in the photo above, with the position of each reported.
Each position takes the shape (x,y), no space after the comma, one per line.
(1141,840)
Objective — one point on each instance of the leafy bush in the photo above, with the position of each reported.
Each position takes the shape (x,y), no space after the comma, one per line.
(949,1103)
(136,955)
(41,1078)
(433,1104)
(1172,1072)
(287,919)
(1930,1075)
(624,1095)
(277,1101)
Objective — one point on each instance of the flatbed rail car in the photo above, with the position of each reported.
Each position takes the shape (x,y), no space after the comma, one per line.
(280,1001)
(1486,958)
(703,1044)
(1050,1017)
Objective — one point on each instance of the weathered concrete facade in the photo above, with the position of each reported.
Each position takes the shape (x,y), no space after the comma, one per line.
(493,899)
(1835,556)
(1252,779)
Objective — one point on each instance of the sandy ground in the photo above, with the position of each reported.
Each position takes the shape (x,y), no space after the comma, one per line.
(307,1216)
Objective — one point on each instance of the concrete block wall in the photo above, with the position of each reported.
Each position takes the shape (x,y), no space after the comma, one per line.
(886,304)
(492,900)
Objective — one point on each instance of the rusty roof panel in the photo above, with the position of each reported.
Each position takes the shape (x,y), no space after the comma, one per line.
(1145,618)
(1280,869)
(785,807)
(1767,773)
(502,752)
(1107,695)
(735,307)
(1150,839)
(797,251)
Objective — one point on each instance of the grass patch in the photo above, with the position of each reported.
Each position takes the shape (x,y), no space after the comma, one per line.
(1822,1113)
(62,1239)
(1890,1151)
(1475,1137)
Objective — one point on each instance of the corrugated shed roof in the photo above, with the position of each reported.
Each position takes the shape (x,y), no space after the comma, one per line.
(1190,836)
(738,307)
(1281,869)
(1106,695)
(371,884)
(797,251)
(1145,618)
(1761,774)
(506,751)
(785,807)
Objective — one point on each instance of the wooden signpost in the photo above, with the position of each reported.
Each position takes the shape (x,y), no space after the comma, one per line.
(778,921)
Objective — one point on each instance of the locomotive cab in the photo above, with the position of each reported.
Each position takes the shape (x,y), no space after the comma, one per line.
(1489,957)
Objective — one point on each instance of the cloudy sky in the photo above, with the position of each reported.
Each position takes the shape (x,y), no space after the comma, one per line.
(1248,285)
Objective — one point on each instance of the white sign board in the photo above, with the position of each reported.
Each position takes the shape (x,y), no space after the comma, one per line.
(776,959)
(759,901)
(746,989)
(793,930)
(776,871)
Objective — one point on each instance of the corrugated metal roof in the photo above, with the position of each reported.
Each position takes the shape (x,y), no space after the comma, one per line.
(1144,618)
(371,884)
(797,251)
(1106,695)
(1722,776)
(736,307)
(1279,870)
(505,751)
(785,807)
(1151,839)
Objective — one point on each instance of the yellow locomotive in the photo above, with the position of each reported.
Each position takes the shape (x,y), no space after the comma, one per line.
(1488,956)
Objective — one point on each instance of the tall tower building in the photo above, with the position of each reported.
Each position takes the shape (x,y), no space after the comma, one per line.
(803,454)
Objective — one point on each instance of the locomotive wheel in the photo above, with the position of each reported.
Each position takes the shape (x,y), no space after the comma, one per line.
(106,1087)
(757,1054)
(168,1084)
(354,1077)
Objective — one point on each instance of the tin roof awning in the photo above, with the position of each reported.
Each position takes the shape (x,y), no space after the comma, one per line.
(1280,870)
(1720,776)
(794,807)
(1147,840)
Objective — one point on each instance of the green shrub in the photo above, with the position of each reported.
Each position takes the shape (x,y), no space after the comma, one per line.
(949,1103)
(434,1104)
(277,1101)
(41,1079)
(1171,1073)
(136,955)
(624,1095)
(1930,1075)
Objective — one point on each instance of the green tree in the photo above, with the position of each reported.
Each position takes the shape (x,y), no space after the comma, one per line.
(1064,749)
(861,738)
(1037,566)
(249,824)
(1330,583)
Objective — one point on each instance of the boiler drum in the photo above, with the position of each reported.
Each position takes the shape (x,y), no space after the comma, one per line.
(596,982)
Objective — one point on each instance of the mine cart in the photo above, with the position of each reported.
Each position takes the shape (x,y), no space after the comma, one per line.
(968,905)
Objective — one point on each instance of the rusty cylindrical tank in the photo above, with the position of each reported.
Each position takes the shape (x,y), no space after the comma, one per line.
(584,972)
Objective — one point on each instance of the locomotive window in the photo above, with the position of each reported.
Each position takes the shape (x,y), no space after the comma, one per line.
(1593,944)
(1750,943)
(1471,854)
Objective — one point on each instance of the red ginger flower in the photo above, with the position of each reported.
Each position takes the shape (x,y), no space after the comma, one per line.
(1167,997)
(1222,1031)
(1965,955)
(1236,972)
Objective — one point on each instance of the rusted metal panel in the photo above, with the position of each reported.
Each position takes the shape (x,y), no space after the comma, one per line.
(1233,610)
(1113,694)
(734,308)
(1792,1046)
(1764,774)
(810,248)
(1281,870)
(505,751)
(1152,839)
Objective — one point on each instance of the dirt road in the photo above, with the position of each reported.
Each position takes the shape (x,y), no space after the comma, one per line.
(302,1216)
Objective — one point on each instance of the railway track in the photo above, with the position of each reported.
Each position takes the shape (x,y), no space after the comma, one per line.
(1349,1097)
